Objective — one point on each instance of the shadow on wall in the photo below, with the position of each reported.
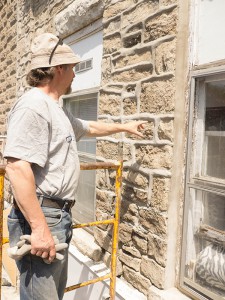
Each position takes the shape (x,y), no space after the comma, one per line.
(37,7)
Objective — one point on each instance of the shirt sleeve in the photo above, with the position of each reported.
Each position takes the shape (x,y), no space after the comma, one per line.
(80,127)
(27,137)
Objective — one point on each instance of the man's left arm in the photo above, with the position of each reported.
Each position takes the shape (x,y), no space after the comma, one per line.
(103,129)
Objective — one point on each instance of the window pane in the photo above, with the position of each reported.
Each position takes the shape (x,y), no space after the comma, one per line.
(205,254)
(214,158)
(85,107)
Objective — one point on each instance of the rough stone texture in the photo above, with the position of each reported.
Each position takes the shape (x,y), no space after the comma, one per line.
(157,249)
(132,58)
(125,232)
(134,194)
(112,43)
(158,96)
(136,178)
(162,25)
(110,104)
(116,8)
(155,222)
(153,271)
(129,106)
(154,157)
(132,250)
(130,261)
(77,15)
(140,12)
(106,258)
(134,74)
(137,280)
(109,150)
(103,239)
(85,243)
(7,61)
(166,130)
(140,243)
(160,193)
(165,57)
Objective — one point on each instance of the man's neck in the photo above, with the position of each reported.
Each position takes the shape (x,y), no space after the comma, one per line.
(53,93)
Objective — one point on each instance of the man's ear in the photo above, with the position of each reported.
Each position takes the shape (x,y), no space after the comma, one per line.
(59,69)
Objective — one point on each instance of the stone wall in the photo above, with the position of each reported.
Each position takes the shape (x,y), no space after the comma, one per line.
(138,83)
(8,11)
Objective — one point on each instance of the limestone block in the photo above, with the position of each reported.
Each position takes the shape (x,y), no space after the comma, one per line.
(134,194)
(162,25)
(167,2)
(153,271)
(154,157)
(132,250)
(129,212)
(155,222)
(130,261)
(136,178)
(137,280)
(166,130)
(109,150)
(107,260)
(104,201)
(109,104)
(160,193)
(129,106)
(112,26)
(116,8)
(157,248)
(106,69)
(165,57)
(85,243)
(132,40)
(103,239)
(112,43)
(125,232)
(138,13)
(134,57)
(135,74)
(158,96)
(140,243)
(77,15)
(101,216)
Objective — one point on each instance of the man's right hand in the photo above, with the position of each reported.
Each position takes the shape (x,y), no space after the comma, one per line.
(42,243)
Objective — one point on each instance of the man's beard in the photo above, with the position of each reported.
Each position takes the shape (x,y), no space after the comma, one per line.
(69,90)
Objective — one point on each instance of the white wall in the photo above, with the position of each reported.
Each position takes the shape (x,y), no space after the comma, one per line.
(87,48)
(210,25)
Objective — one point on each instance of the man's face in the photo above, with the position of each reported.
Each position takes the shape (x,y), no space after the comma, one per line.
(68,76)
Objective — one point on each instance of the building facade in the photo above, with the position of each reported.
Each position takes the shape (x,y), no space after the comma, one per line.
(160,61)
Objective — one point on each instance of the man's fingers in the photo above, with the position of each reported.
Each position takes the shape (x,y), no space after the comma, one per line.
(52,254)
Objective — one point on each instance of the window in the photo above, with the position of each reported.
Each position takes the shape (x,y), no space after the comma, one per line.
(85,107)
(203,261)
(83,103)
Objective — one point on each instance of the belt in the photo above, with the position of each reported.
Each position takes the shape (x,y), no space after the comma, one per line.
(51,202)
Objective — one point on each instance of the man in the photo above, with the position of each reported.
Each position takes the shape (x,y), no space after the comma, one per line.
(43,166)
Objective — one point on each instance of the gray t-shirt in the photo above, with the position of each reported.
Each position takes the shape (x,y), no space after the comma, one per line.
(44,134)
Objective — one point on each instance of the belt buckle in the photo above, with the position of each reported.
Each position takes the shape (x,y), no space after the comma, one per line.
(68,205)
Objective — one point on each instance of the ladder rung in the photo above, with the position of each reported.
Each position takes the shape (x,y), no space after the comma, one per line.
(76,286)
(110,221)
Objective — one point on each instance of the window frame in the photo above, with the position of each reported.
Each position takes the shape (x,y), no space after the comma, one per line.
(215,73)
(84,156)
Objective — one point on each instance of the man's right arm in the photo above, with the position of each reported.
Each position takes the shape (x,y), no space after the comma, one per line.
(23,184)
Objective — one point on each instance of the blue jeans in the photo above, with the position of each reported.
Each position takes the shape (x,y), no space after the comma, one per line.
(38,280)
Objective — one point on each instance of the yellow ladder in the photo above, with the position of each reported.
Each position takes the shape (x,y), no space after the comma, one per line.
(115,222)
